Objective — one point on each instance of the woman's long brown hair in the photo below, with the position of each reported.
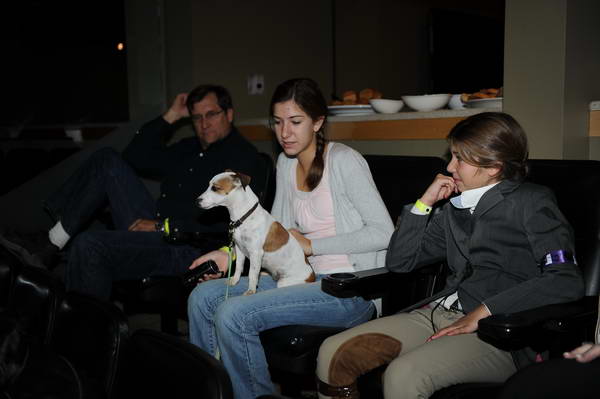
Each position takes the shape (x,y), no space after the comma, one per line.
(307,95)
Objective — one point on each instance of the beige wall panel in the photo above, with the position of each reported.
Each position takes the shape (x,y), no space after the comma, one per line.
(581,80)
(534,69)
(233,39)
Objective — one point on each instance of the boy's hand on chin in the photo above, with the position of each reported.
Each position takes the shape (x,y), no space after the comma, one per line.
(441,188)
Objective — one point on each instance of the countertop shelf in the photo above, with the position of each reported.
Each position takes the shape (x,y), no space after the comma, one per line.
(594,127)
(399,126)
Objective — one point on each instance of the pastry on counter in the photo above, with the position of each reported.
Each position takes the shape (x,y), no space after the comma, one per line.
(483,93)
(368,94)
(352,97)
(349,97)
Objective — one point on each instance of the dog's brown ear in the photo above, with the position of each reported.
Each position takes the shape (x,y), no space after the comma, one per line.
(245,179)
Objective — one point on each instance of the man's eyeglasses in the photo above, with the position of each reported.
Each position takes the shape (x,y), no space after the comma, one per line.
(208,117)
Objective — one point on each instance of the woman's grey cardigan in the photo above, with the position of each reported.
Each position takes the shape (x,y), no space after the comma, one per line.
(362,223)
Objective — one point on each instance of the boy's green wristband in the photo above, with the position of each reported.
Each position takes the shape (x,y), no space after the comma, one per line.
(422,207)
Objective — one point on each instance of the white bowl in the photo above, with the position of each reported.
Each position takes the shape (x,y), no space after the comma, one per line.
(427,102)
(456,102)
(385,106)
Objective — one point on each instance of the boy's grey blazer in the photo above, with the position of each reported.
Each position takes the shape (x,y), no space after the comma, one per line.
(495,253)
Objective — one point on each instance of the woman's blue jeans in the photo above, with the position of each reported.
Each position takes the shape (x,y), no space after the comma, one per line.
(233,325)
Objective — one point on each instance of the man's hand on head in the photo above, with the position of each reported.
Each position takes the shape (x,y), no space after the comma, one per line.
(143,225)
(178,109)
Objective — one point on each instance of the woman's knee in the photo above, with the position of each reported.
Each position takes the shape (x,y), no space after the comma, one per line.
(197,299)
(234,315)
(204,297)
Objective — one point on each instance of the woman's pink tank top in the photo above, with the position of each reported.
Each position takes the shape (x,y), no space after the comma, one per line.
(315,218)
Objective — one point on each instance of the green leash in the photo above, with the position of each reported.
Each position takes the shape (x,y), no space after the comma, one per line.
(229,262)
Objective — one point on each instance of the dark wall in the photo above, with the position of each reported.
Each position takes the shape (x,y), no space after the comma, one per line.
(61,63)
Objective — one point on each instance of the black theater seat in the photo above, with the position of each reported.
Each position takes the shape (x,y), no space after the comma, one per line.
(9,267)
(158,366)
(91,334)
(33,301)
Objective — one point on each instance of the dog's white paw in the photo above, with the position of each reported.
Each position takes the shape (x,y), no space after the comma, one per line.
(232,281)
(249,292)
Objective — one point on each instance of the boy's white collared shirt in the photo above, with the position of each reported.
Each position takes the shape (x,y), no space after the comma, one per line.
(470,198)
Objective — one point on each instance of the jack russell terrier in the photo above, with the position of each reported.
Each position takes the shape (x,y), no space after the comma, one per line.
(256,234)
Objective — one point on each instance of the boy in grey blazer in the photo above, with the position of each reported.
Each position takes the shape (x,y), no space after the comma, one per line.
(508,248)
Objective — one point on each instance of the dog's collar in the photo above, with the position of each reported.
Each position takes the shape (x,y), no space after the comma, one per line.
(235,224)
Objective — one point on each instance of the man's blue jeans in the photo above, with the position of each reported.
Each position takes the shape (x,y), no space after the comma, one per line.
(97,258)
(233,325)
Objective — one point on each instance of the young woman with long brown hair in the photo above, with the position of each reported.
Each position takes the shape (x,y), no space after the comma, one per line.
(327,198)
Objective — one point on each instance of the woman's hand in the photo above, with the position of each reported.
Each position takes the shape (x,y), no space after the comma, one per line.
(305,243)
(442,187)
(221,258)
(585,353)
(465,325)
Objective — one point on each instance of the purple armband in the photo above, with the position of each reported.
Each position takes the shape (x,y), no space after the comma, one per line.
(557,257)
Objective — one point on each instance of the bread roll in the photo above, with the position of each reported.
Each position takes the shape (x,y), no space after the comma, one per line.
(490,91)
(349,97)
(366,94)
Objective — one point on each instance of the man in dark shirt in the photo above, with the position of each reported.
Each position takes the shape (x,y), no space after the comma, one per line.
(137,248)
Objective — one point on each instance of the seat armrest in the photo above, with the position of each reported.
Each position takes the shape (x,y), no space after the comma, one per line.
(373,283)
(366,283)
(521,329)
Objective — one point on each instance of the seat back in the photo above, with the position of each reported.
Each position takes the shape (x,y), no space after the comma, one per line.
(158,365)
(402,179)
(34,300)
(9,267)
(28,371)
(91,334)
(267,194)
(576,184)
